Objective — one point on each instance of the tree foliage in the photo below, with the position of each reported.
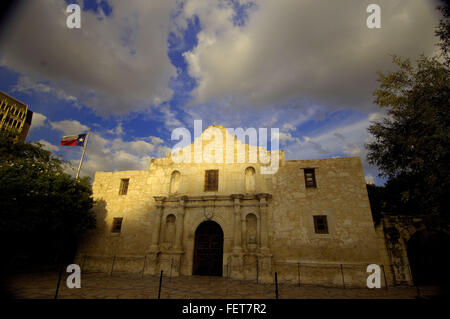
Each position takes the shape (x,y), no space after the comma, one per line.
(39,203)
(443,32)
(411,144)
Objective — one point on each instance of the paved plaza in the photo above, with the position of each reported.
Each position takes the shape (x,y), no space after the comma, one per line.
(103,286)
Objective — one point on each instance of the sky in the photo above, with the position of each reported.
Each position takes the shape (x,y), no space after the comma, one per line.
(138,69)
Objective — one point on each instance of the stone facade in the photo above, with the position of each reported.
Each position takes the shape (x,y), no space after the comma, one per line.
(267,219)
(396,233)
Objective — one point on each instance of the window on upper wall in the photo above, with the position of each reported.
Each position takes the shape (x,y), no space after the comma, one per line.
(124,186)
(310,177)
(117,225)
(320,224)
(211,180)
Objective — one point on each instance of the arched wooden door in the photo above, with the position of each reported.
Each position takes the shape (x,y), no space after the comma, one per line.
(208,249)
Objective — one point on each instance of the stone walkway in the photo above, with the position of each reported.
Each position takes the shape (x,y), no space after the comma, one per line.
(102,286)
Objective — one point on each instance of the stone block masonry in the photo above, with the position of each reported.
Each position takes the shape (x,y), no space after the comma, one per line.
(267,220)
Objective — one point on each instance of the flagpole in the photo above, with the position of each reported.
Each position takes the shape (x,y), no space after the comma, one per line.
(82,155)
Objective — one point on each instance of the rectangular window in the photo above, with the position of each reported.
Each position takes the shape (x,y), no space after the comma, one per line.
(211,180)
(117,225)
(310,177)
(321,224)
(124,186)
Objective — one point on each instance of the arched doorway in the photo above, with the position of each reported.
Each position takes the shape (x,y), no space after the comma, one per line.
(427,254)
(208,249)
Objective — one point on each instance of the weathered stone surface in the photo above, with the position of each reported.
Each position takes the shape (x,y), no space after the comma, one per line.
(284,231)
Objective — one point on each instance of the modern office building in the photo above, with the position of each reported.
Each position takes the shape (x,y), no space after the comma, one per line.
(15,116)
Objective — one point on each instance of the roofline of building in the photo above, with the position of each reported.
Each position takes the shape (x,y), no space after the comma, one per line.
(13,98)
(324,159)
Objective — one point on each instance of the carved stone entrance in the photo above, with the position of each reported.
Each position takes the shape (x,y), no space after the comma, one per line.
(208,249)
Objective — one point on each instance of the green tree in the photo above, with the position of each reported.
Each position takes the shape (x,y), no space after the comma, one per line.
(411,144)
(443,32)
(41,206)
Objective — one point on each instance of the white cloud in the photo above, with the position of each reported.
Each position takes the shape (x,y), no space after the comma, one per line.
(318,51)
(136,147)
(28,86)
(285,138)
(117,131)
(344,138)
(38,120)
(353,149)
(114,64)
(288,127)
(285,116)
(170,118)
(69,127)
(103,154)
(49,146)
(155,140)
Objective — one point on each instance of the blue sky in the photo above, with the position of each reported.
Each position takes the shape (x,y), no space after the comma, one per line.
(138,69)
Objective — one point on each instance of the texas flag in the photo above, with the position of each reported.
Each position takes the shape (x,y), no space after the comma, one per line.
(73,140)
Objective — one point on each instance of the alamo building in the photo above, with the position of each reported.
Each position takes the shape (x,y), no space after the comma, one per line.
(310,219)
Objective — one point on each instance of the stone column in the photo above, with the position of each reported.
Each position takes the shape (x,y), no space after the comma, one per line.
(237,258)
(157,223)
(263,215)
(180,225)
(258,231)
(243,231)
(237,242)
(152,258)
(264,257)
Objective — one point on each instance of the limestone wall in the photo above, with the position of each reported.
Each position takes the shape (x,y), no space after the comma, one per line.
(340,195)
(267,226)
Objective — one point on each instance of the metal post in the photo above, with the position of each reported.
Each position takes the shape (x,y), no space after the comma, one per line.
(342,273)
(112,267)
(385,279)
(59,279)
(62,258)
(276,286)
(298,271)
(82,154)
(160,283)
